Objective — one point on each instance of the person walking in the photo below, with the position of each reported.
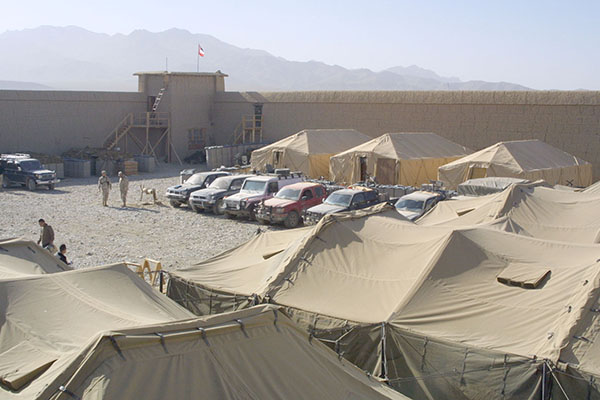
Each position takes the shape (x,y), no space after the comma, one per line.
(123,187)
(62,254)
(46,239)
(104,186)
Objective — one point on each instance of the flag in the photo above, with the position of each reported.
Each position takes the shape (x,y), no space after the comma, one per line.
(200,51)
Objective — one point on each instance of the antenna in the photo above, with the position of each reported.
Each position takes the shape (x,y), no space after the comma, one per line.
(167,64)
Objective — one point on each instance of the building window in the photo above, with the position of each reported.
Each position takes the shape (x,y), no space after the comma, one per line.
(196,138)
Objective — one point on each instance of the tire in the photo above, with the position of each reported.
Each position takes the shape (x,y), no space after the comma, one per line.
(292,220)
(174,203)
(51,186)
(5,183)
(194,208)
(264,221)
(219,207)
(229,216)
(251,215)
(31,185)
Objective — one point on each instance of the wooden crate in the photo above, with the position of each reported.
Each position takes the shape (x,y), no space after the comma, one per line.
(130,167)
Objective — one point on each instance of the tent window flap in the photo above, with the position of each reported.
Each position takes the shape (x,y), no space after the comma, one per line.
(523,275)
(23,363)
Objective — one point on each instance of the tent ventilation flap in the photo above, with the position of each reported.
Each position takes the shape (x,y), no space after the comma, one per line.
(523,275)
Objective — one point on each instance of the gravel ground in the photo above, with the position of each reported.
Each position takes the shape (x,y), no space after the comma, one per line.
(97,235)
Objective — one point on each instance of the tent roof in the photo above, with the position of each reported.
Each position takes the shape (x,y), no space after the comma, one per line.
(104,333)
(248,268)
(521,155)
(21,257)
(407,145)
(318,141)
(439,282)
(49,318)
(527,209)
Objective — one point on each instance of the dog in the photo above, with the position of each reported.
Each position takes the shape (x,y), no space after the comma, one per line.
(151,191)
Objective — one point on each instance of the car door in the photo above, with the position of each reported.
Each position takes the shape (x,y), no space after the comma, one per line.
(358,201)
(307,199)
(320,194)
(235,185)
(11,172)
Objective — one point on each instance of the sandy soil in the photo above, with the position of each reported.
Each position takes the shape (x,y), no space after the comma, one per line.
(97,235)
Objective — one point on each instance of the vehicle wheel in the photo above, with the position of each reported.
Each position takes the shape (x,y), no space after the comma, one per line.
(174,203)
(51,186)
(5,183)
(292,220)
(252,215)
(194,208)
(229,216)
(31,185)
(219,207)
(264,221)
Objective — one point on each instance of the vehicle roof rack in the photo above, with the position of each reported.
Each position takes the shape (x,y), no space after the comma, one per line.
(15,156)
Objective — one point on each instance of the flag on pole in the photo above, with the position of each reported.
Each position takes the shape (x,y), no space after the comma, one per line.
(200,51)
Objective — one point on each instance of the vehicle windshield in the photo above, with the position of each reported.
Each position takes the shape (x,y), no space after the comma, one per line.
(220,183)
(31,165)
(254,186)
(288,194)
(339,199)
(196,179)
(409,204)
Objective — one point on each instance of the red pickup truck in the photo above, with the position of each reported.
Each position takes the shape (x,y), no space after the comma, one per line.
(288,204)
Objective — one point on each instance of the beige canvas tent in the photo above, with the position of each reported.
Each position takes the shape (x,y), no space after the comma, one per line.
(527,159)
(21,257)
(307,151)
(102,333)
(438,312)
(396,158)
(534,210)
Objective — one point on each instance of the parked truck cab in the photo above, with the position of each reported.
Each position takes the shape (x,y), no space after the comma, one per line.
(288,205)
(254,190)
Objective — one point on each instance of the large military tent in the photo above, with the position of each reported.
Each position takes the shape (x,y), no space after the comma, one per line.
(396,158)
(534,210)
(307,151)
(438,312)
(103,333)
(21,257)
(526,159)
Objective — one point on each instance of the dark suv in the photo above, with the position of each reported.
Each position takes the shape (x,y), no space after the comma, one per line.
(342,200)
(180,194)
(21,169)
(211,198)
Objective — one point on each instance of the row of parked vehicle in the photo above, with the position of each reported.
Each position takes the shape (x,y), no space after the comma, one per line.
(284,197)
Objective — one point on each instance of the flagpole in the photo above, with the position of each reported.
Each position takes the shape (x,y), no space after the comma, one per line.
(198,59)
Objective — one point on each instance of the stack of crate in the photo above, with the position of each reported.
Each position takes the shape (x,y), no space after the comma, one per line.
(130,168)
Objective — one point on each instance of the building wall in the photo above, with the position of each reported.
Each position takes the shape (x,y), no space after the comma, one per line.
(189,98)
(567,120)
(55,121)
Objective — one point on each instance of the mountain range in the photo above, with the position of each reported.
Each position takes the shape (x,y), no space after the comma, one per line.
(74,58)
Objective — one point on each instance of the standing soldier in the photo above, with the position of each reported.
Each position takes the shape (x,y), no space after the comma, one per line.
(46,239)
(104,185)
(123,187)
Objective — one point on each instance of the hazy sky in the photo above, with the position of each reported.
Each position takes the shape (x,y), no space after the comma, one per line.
(540,44)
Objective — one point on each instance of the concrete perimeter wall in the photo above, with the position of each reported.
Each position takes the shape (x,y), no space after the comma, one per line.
(55,121)
(567,120)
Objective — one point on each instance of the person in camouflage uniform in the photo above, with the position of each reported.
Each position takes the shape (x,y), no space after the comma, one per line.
(104,186)
(123,187)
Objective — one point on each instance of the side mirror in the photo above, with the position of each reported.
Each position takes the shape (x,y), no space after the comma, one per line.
(304,198)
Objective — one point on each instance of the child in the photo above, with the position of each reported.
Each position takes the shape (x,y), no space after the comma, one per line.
(62,254)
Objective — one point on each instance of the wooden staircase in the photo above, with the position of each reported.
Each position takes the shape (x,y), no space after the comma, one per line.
(119,132)
(249,130)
